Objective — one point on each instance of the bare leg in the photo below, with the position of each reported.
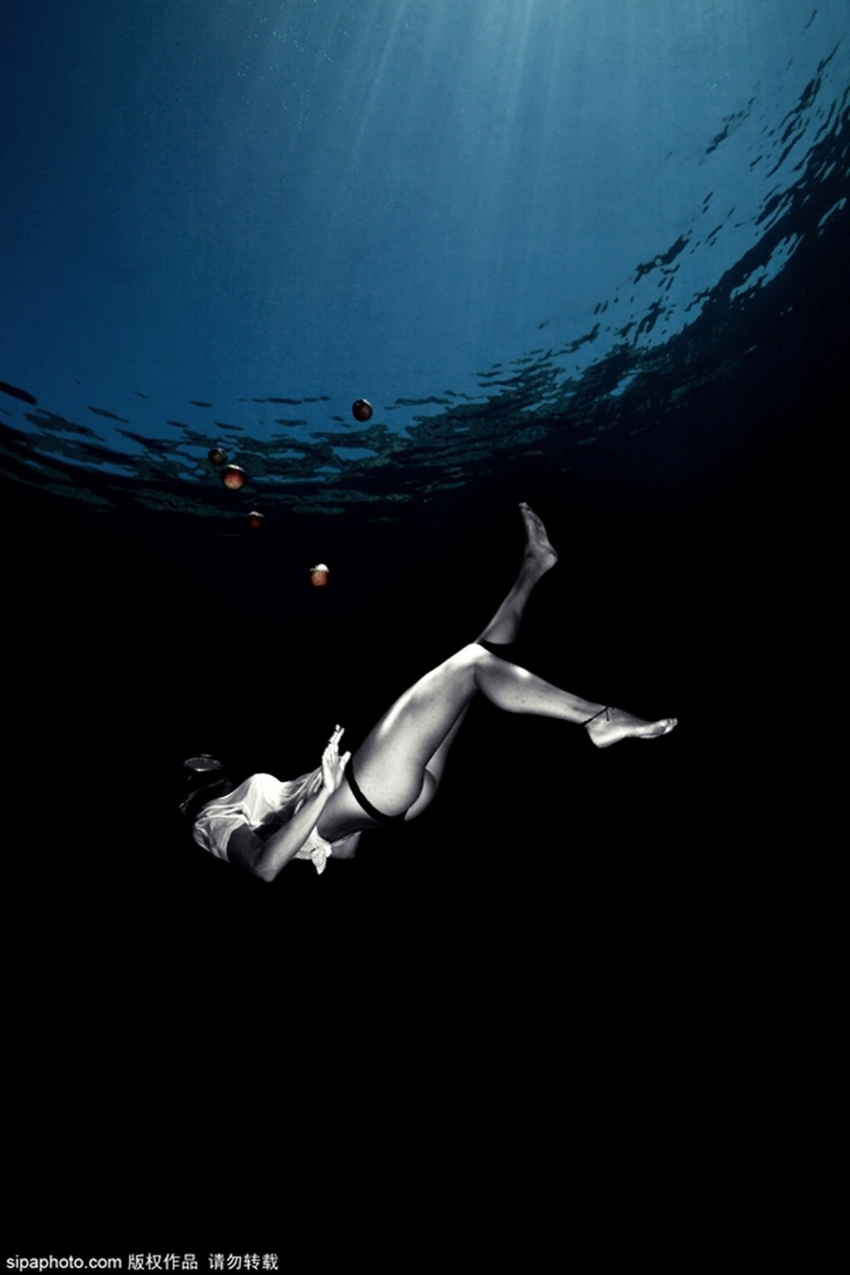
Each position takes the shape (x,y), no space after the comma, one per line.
(399,764)
(539,557)
(434,769)
(392,762)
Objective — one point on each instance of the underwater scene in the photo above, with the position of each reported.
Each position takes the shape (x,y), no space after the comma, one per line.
(301,299)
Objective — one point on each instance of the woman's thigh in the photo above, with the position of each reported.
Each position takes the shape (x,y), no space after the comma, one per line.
(390,763)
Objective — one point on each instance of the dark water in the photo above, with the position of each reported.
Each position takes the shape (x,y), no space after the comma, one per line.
(648,425)
(151,623)
(686,479)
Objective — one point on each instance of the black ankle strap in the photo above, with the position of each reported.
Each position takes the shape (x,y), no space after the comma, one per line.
(595,715)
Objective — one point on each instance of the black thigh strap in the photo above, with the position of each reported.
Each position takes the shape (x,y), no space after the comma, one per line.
(504,650)
(371,810)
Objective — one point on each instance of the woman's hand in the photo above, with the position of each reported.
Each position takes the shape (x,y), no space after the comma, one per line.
(333,766)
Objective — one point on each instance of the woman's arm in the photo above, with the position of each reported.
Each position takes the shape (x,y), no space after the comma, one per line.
(265,859)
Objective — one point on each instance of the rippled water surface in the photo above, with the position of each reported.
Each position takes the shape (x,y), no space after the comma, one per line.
(530,235)
(591,254)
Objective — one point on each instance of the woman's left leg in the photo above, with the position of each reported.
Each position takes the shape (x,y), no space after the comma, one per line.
(399,764)
(393,761)
(410,742)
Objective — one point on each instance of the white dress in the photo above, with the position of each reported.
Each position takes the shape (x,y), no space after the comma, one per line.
(260,800)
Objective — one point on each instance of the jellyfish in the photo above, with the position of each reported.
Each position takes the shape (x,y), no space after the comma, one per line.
(217,455)
(361,410)
(319,575)
(234,478)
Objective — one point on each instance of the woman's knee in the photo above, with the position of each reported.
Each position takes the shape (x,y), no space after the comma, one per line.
(465,661)
(450,684)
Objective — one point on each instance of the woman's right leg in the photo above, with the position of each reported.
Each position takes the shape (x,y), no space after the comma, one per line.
(502,630)
(538,558)
(399,764)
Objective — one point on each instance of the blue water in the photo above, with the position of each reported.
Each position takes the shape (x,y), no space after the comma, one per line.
(513,227)
(592,254)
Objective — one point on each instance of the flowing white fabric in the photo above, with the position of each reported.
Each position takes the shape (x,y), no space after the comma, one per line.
(261,800)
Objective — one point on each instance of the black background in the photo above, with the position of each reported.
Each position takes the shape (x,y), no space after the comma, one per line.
(613,935)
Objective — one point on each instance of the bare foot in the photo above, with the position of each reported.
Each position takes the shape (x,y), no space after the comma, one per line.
(613,725)
(538,551)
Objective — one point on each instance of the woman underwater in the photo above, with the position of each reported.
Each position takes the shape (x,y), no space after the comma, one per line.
(395,773)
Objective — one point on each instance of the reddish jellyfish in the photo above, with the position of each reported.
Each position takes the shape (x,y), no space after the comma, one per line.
(217,455)
(256,520)
(319,575)
(234,478)
(361,410)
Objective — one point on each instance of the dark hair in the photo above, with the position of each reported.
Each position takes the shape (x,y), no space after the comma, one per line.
(194,801)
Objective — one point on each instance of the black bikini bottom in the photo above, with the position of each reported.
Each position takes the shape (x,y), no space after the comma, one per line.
(371,810)
(502,649)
